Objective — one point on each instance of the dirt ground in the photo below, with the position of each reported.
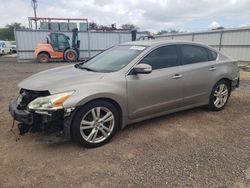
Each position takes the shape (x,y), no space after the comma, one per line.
(194,148)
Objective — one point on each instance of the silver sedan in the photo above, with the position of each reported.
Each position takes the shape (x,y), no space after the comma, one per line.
(125,84)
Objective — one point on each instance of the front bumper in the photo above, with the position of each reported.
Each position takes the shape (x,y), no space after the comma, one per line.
(22,116)
(236,83)
(46,121)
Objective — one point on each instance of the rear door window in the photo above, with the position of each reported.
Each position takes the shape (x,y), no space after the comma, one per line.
(193,54)
(212,56)
(162,57)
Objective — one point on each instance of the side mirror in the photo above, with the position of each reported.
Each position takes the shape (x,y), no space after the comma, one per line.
(142,69)
(68,38)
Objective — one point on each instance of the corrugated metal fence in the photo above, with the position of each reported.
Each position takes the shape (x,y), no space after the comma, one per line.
(91,42)
(233,42)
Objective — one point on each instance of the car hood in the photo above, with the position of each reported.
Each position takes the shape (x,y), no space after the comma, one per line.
(59,79)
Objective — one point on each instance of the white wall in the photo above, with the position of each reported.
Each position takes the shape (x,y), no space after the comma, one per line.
(91,43)
(232,42)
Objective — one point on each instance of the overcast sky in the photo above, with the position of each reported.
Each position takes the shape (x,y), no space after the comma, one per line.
(153,15)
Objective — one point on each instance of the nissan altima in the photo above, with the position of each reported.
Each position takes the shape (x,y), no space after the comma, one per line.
(89,102)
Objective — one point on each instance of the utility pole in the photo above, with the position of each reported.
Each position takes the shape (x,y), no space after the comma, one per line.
(34,6)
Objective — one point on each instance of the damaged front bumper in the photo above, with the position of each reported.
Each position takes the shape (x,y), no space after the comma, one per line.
(38,121)
(22,116)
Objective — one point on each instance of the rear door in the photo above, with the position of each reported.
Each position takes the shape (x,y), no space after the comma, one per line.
(159,91)
(198,69)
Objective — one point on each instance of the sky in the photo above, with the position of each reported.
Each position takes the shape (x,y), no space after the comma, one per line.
(151,15)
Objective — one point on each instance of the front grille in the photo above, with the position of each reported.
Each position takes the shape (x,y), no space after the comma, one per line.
(28,95)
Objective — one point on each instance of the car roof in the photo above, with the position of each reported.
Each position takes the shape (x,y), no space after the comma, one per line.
(153,43)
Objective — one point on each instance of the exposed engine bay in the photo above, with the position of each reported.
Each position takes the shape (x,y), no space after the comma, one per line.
(35,121)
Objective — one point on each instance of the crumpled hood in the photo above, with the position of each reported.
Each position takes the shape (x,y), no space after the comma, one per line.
(59,79)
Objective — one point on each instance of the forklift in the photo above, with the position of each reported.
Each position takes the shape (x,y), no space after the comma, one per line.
(58,47)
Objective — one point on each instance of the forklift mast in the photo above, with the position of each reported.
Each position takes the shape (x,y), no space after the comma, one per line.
(75,41)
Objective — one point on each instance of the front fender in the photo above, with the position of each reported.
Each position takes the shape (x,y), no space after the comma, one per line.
(86,93)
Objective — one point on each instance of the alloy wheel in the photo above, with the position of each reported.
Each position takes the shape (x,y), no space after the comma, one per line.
(97,124)
(220,95)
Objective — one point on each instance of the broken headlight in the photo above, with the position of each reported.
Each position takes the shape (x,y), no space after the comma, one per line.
(51,102)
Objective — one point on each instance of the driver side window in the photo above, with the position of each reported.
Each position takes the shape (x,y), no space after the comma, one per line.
(162,57)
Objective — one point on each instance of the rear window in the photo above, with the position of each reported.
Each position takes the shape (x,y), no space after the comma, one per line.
(212,56)
(193,54)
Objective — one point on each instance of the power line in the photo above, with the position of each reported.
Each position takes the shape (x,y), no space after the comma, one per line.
(34,6)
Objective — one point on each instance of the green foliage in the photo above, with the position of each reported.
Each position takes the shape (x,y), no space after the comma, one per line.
(218,28)
(170,31)
(129,26)
(93,25)
(7,33)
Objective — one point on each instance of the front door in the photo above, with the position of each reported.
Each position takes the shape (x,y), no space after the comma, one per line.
(160,90)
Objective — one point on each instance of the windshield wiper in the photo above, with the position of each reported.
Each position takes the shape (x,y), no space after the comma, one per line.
(86,68)
(79,66)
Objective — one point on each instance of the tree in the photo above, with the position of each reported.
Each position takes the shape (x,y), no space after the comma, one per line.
(162,32)
(170,31)
(129,26)
(7,33)
(93,26)
(218,28)
(174,31)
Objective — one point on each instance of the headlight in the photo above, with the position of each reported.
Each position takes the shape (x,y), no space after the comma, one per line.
(51,102)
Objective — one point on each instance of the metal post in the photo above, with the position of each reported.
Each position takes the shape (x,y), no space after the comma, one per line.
(192,36)
(119,38)
(34,6)
(89,45)
(17,46)
(68,24)
(221,34)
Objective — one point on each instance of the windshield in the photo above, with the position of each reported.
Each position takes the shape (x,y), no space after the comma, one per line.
(113,59)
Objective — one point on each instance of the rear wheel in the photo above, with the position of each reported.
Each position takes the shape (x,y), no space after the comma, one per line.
(95,124)
(43,58)
(70,55)
(219,96)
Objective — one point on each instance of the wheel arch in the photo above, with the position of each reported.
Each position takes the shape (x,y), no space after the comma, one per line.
(46,52)
(228,80)
(107,99)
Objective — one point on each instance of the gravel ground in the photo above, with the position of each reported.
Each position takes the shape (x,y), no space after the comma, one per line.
(194,148)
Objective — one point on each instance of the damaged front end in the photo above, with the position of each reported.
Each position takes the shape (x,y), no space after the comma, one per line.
(38,111)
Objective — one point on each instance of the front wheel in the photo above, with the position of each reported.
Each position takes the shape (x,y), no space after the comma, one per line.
(95,124)
(219,96)
(70,55)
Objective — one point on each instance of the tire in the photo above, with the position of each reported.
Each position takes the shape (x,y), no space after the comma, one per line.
(10,52)
(219,96)
(43,57)
(93,132)
(70,55)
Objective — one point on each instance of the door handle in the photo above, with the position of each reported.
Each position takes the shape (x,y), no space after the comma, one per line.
(177,76)
(212,68)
